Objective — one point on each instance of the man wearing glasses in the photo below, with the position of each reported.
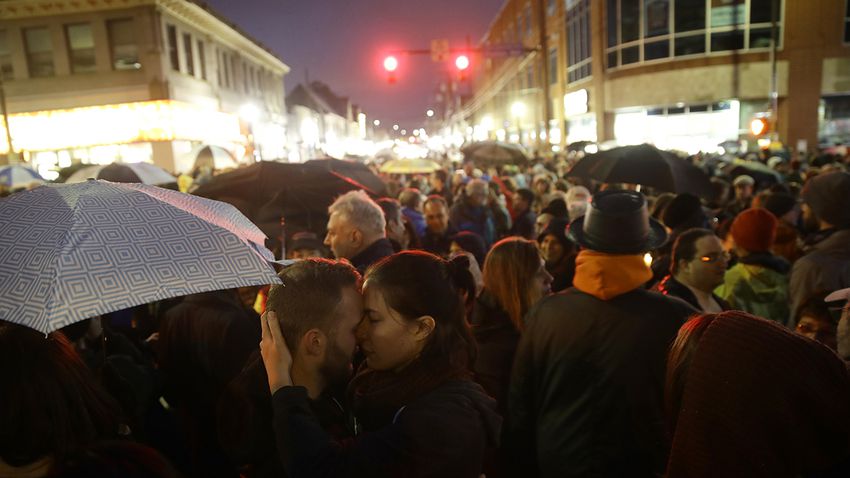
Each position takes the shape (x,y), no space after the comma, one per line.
(697,266)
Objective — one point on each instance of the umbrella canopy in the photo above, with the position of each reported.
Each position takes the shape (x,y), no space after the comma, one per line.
(17,176)
(213,157)
(73,251)
(495,153)
(269,190)
(144,173)
(646,165)
(349,170)
(763,175)
(409,166)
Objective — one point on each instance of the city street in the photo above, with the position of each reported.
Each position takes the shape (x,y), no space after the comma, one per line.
(490,238)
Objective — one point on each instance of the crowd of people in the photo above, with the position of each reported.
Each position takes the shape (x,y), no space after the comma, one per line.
(489,321)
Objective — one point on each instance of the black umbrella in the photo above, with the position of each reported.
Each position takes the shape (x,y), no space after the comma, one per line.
(762,174)
(495,153)
(358,172)
(268,190)
(646,165)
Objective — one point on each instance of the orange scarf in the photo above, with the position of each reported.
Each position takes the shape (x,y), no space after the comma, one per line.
(606,276)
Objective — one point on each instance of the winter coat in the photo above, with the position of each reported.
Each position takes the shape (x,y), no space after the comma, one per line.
(438,244)
(586,395)
(825,268)
(443,433)
(375,252)
(477,219)
(758,284)
(524,225)
(497,338)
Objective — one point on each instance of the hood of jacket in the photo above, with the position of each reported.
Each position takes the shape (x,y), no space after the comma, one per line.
(483,404)
(606,276)
(768,261)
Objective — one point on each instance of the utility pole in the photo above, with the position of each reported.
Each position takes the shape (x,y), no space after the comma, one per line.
(774,93)
(544,59)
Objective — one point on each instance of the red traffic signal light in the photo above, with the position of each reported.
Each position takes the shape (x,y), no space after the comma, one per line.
(759,126)
(462,62)
(391,63)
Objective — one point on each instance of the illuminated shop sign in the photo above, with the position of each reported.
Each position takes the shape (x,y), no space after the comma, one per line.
(163,120)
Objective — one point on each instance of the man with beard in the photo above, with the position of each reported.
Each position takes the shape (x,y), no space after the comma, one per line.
(826,263)
(319,307)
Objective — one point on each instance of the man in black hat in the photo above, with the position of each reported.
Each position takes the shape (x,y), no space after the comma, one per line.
(586,394)
(826,265)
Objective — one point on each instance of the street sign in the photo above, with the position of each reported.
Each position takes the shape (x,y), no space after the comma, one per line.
(440,50)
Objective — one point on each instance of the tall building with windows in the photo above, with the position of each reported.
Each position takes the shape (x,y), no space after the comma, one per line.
(135,80)
(683,74)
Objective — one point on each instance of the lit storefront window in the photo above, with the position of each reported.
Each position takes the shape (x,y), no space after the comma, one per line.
(126,123)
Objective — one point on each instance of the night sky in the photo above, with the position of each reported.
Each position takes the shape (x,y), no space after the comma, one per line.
(342,42)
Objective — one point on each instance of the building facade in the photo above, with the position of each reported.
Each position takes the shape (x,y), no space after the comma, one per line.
(324,124)
(682,74)
(135,80)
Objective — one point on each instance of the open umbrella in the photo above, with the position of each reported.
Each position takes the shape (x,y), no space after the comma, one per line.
(761,173)
(358,172)
(646,165)
(17,176)
(269,190)
(409,166)
(495,153)
(145,173)
(73,251)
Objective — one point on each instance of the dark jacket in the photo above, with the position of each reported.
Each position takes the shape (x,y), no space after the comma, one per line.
(245,422)
(497,338)
(586,395)
(438,244)
(375,252)
(524,225)
(443,433)
(670,286)
(825,267)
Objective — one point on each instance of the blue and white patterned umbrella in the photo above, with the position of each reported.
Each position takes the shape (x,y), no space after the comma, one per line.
(73,251)
(17,176)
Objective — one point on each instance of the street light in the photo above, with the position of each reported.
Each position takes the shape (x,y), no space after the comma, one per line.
(395,127)
(429,113)
(376,122)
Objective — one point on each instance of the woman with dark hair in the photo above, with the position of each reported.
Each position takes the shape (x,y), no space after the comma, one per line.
(514,280)
(470,242)
(747,397)
(559,254)
(416,409)
(51,405)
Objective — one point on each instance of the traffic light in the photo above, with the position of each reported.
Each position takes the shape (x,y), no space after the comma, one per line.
(391,65)
(462,65)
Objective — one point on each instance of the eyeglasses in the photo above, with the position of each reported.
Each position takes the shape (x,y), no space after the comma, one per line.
(715,257)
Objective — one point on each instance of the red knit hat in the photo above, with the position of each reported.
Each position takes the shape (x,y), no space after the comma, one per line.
(754,230)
